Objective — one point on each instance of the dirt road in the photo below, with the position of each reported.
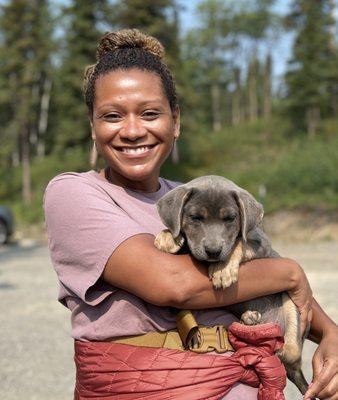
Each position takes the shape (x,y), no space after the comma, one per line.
(36,349)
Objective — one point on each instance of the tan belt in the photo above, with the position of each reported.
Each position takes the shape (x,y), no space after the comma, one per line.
(188,336)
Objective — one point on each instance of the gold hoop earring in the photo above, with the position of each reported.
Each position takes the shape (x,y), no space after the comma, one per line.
(93,155)
(175,157)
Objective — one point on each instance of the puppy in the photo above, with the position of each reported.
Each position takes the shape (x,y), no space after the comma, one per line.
(220,223)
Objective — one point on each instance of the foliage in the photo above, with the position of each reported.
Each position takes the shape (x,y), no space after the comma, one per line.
(294,172)
(71,127)
(313,67)
(234,122)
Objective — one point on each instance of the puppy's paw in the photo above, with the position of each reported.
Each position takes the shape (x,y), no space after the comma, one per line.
(251,318)
(221,275)
(233,268)
(165,241)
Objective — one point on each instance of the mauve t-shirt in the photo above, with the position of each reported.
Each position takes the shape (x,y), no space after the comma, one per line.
(86,219)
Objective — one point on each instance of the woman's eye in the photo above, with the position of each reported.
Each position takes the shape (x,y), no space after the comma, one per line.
(112,116)
(150,114)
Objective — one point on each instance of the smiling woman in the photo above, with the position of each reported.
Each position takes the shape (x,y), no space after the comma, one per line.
(133,127)
(121,290)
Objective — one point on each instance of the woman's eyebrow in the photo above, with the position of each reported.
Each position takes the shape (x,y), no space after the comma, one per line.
(155,101)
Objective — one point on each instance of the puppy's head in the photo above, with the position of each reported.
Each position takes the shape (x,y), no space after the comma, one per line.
(211,213)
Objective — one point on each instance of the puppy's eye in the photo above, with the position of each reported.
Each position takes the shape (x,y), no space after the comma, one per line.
(196,217)
(229,218)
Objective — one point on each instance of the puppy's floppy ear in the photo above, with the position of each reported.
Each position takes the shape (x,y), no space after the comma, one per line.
(251,211)
(170,208)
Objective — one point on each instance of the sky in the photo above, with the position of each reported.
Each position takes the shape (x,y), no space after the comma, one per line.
(280,53)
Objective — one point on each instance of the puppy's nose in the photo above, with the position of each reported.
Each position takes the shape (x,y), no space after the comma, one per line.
(213,253)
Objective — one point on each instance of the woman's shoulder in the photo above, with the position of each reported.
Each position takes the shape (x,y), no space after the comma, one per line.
(68,178)
(68,186)
(75,182)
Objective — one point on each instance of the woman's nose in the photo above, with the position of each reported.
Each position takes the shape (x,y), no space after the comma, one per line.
(132,129)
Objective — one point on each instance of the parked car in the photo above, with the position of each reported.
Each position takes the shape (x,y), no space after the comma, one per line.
(6,224)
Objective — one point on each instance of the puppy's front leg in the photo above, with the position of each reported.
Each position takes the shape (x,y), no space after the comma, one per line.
(224,274)
(165,241)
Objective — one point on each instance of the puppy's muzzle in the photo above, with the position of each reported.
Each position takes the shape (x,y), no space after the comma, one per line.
(213,253)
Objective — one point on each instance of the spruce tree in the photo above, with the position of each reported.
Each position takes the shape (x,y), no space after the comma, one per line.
(24,69)
(157,18)
(312,65)
(71,129)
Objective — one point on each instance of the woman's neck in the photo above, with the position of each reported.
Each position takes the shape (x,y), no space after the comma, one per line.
(149,185)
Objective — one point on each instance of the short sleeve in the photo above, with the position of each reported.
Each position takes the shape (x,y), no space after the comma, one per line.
(84,226)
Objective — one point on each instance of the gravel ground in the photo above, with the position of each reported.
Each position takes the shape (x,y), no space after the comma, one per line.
(36,349)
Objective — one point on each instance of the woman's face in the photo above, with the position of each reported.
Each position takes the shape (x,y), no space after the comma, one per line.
(133,126)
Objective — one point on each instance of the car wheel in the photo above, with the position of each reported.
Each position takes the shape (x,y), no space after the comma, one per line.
(3,233)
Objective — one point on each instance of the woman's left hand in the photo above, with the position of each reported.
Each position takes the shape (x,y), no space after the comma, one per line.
(325,369)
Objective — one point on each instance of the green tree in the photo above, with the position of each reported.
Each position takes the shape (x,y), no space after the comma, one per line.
(157,18)
(70,126)
(253,24)
(312,69)
(25,71)
(206,49)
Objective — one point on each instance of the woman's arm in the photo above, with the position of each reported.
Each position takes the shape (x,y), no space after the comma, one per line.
(325,360)
(321,324)
(180,281)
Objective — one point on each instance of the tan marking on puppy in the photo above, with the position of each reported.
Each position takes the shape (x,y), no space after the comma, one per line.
(165,241)
(251,318)
(222,212)
(223,274)
(203,212)
(248,253)
(292,349)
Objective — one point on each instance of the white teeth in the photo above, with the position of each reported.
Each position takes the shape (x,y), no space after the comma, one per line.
(137,150)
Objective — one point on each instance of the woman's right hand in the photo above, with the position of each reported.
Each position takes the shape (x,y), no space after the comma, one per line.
(301,295)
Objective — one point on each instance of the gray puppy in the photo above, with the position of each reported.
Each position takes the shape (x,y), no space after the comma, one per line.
(220,224)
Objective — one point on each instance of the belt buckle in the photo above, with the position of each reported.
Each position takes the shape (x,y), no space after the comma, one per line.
(207,339)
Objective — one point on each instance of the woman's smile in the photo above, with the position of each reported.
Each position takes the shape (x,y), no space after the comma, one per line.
(135,151)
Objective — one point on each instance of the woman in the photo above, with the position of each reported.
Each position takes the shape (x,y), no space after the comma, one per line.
(101,227)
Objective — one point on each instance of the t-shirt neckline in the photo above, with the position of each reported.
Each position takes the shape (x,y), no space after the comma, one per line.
(150,195)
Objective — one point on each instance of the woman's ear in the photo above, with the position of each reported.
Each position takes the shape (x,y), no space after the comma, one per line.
(177,122)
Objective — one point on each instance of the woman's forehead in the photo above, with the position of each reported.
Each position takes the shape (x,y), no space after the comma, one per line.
(129,85)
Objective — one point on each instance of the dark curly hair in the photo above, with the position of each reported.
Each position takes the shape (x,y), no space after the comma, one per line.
(127,49)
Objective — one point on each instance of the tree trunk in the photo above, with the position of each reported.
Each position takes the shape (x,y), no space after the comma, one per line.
(26,175)
(216,107)
(236,99)
(43,118)
(267,88)
(33,133)
(312,120)
(252,91)
(15,158)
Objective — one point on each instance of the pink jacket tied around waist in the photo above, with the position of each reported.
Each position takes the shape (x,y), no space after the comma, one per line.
(119,371)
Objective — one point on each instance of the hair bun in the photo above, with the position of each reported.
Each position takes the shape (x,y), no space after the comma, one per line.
(129,38)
